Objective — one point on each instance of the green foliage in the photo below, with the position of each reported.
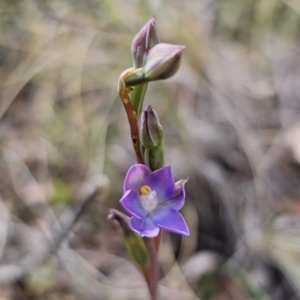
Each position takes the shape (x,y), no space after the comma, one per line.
(207,286)
(61,193)
(42,280)
(137,250)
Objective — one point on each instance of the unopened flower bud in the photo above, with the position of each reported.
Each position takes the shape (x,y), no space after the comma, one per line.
(120,219)
(143,42)
(151,129)
(154,158)
(163,61)
(133,242)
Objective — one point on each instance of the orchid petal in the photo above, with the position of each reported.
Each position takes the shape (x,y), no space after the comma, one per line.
(177,200)
(135,177)
(131,203)
(170,219)
(162,182)
(145,227)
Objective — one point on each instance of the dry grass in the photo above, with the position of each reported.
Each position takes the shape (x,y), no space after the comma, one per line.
(231,123)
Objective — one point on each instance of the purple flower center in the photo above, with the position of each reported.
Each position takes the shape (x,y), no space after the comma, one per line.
(148,198)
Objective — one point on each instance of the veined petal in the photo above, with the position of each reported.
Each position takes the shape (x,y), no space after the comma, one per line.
(177,201)
(170,219)
(131,203)
(145,227)
(135,177)
(162,182)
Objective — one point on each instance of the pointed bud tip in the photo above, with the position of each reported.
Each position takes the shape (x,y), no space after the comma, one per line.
(144,40)
(151,129)
(117,217)
(163,61)
(152,21)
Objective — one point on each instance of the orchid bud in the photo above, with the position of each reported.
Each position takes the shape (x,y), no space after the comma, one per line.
(133,242)
(163,61)
(143,42)
(154,158)
(151,137)
(151,129)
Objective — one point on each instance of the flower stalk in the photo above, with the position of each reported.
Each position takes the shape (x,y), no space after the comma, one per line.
(152,272)
(124,91)
(151,196)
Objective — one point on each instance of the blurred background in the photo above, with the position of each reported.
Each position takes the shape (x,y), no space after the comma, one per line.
(231,123)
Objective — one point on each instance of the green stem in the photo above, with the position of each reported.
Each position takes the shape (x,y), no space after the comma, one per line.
(137,97)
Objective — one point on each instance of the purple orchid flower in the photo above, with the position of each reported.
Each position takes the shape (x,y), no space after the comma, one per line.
(153,200)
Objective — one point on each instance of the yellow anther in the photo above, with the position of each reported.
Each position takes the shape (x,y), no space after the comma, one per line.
(145,190)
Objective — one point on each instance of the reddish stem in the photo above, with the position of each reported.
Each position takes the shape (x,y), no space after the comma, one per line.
(134,126)
(157,240)
(151,273)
